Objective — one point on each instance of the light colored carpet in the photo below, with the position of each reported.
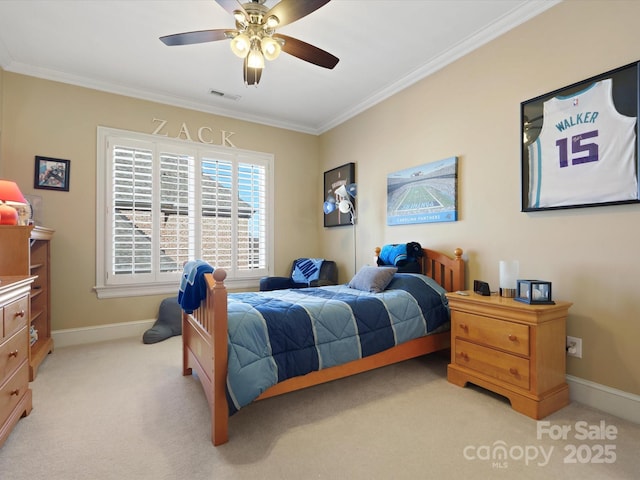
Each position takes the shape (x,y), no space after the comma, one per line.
(122,410)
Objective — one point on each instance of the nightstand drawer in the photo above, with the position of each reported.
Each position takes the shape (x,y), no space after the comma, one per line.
(496,364)
(13,352)
(16,315)
(13,390)
(509,336)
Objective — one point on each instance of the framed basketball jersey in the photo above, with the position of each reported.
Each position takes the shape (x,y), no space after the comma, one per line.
(580,143)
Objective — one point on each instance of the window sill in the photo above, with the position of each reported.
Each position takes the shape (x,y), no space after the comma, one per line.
(118,291)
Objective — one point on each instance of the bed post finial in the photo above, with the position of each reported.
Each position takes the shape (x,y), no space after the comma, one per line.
(219,274)
(458,253)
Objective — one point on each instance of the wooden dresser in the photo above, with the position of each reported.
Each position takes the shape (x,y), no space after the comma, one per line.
(15,394)
(30,249)
(511,348)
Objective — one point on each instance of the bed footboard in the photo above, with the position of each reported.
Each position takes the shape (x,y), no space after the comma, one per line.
(204,341)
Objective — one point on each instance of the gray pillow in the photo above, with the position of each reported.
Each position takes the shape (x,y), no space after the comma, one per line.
(372,279)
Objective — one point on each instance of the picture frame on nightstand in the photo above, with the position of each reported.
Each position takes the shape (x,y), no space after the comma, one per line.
(534,292)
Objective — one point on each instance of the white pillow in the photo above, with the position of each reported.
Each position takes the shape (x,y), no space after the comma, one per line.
(372,279)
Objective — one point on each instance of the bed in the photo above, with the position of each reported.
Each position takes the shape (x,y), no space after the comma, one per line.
(209,351)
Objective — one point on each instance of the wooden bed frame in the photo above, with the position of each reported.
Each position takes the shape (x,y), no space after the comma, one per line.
(204,342)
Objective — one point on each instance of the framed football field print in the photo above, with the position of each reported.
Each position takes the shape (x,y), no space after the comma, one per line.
(580,143)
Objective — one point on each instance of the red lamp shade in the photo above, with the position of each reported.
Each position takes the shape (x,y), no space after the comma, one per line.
(10,195)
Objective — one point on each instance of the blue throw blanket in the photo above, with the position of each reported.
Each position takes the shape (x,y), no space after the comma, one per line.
(306,270)
(393,254)
(286,333)
(192,286)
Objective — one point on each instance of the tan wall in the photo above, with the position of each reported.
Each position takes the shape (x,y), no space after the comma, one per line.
(57,120)
(471,110)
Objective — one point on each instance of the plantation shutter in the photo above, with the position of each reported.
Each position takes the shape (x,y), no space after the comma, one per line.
(132,210)
(252,214)
(177,207)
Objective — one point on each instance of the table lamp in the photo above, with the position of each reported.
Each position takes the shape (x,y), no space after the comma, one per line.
(10,195)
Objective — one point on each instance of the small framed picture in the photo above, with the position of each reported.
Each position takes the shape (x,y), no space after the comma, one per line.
(51,174)
(343,176)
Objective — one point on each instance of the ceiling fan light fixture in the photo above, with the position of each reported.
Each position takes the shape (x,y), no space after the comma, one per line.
(240,45)
(270,48)
(272,22)
(240,18)
(255,59)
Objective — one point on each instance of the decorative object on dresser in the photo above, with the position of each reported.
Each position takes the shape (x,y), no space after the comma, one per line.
(15,394)
(207,331)
(10,197)
(509,270)
(30,255)
(510,348)
(481,288)
(534,292)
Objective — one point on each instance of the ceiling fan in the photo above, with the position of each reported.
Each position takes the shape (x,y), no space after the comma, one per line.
(255,37)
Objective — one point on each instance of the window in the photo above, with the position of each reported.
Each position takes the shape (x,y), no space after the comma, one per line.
(167,201)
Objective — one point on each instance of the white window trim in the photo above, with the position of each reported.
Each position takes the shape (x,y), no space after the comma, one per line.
(102,289)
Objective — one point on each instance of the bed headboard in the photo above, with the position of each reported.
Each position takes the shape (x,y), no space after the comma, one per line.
(447,271)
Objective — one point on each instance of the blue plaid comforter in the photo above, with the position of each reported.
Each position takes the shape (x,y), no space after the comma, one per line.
(281,334)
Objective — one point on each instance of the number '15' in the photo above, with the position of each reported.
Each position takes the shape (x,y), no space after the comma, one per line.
(578,145)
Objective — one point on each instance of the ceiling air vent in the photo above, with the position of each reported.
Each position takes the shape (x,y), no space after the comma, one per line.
(228,96)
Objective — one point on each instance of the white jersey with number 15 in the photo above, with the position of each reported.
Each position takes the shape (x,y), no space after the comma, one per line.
(585,153)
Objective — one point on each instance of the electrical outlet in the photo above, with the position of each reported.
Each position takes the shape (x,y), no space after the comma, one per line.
(574,347)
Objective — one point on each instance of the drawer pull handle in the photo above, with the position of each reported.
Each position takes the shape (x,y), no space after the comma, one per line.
(15,392)
(20,314)
(464,327)
(13,354)
(464,356)
(512,337)
(513,371)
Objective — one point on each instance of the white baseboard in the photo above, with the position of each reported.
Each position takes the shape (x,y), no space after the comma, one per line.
(112,331)
(610,400)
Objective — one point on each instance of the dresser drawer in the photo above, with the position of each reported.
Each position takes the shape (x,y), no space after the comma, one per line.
(12,391)
(509,336)
(503,366)
(16,315)
(13,352)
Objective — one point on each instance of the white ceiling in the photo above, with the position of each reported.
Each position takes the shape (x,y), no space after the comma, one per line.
(383,47)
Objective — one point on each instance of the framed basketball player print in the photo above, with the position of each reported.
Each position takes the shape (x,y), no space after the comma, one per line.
(580,143)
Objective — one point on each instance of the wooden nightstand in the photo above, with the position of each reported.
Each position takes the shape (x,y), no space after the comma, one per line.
(511,348)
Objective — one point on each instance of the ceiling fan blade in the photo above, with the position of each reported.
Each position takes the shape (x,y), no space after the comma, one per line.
(307,52)
(201,36)
(289,11)
(230,5)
